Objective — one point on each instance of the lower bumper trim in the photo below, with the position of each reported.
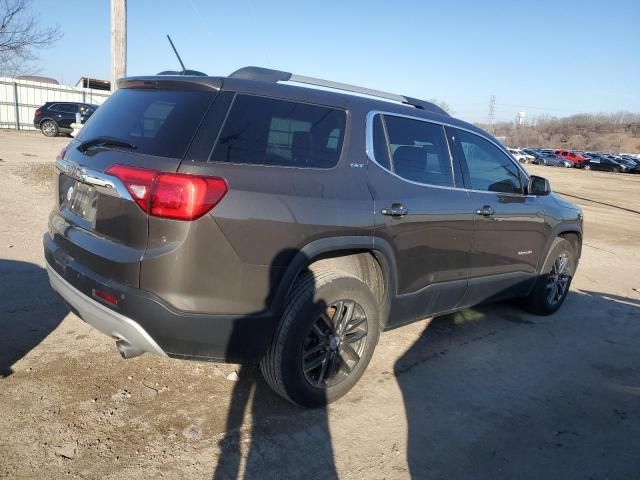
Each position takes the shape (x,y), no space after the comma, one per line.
(111,323)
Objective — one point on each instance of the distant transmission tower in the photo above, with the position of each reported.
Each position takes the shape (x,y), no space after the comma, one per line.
(492,112)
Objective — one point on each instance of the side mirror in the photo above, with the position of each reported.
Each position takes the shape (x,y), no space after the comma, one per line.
(539,186)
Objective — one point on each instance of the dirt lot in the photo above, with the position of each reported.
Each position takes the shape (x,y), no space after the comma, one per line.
(488,393)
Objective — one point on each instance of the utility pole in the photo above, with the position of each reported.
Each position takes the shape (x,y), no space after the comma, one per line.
(118,41)
(492,112)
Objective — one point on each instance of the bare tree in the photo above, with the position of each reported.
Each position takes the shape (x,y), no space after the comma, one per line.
(591,131)
(442,104)
(20,36)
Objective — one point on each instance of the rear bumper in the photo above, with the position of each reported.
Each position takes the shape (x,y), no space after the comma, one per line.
(102,318)
(148,323)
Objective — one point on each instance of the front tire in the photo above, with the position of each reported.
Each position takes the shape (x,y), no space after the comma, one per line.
(49,128)
(552,285)
(325,339)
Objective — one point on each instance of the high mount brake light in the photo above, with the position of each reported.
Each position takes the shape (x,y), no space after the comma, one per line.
(176,196)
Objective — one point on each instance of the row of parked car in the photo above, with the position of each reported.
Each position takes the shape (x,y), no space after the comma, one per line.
(603,161)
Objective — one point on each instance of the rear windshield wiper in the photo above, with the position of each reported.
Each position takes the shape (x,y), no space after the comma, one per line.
(105,141)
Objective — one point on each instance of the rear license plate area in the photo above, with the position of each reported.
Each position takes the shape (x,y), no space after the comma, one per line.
(80,199)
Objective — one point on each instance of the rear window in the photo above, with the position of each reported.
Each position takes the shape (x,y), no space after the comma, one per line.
(268,131)
(157,122)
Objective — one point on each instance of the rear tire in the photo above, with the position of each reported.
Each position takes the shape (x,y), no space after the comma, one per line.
(552,285)
(325,339)
(49,128)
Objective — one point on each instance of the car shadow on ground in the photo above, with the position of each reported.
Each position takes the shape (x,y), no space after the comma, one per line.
(29,310)
(275,438)
(266,436)
(503,412)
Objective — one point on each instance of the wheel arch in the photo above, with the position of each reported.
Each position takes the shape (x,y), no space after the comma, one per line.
(571,232)
(369,258)
(47,118)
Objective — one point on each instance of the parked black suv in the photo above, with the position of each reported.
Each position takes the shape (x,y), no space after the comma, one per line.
(236,218)
(56,117)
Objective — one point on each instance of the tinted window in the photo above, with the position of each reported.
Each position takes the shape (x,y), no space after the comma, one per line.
(86,109)
(380,146)
(158,122)
(419,151)
(65,107)
(267,131)
(489,168)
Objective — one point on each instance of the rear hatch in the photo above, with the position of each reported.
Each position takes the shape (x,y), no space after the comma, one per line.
(99,221)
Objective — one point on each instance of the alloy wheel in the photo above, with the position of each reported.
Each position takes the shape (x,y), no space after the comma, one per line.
(334,344)
(558,279)
(48,129)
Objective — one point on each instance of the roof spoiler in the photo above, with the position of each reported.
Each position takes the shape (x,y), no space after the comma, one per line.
(273,76)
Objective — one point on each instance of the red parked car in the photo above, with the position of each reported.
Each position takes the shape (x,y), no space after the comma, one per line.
(573,157)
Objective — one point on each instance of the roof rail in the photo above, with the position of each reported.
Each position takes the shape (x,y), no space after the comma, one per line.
(268,75)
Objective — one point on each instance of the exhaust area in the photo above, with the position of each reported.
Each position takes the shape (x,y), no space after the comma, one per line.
(127,350)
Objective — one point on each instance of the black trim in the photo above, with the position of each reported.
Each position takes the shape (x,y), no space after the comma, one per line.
(493,288)
(558,230)
(434,299)
(380,248)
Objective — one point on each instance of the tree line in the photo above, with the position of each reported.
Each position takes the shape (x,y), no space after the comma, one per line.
(614,132)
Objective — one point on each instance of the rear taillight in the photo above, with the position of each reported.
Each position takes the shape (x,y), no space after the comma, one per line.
(171,195)
(38,112)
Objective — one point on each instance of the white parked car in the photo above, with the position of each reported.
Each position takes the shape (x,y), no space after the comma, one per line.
(521,156)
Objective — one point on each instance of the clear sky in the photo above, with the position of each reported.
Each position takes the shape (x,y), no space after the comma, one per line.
(542,57)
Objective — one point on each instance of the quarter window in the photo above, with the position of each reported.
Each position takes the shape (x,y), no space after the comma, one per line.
(489,168)
(418,150)
(268,131)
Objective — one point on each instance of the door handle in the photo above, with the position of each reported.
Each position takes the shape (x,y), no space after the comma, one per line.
(396,210)
(485,211)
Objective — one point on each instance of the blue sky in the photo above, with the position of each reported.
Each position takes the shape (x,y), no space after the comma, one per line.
(542,57)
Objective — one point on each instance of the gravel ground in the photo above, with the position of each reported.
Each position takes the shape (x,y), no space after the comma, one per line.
(490,392)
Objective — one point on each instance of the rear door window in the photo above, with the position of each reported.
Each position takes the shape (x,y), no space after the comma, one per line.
(86,109)
(157,122)
(269,131)
(65,107)
(418,150)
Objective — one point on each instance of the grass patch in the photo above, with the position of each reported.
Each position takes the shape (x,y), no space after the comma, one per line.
(40,174)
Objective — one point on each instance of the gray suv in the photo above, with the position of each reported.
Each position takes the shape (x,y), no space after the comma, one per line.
(242,218)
